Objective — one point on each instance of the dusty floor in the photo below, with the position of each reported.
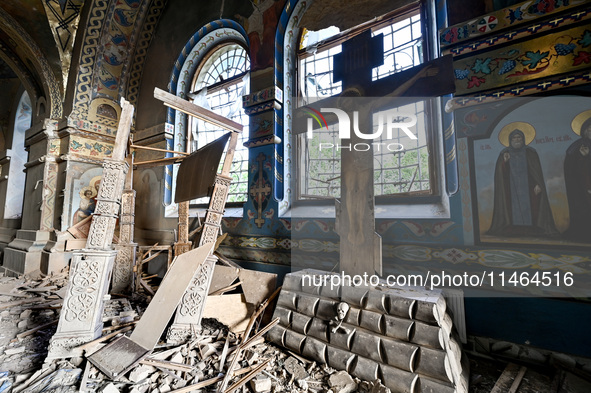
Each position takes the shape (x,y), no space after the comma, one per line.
(29,318)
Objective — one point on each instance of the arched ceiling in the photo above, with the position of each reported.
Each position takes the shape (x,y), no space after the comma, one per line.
(31,16)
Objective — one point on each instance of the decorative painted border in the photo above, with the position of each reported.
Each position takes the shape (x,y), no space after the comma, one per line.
(541,57)
(285,40)
(268,94)
(90,147)
(265,106)
(263,141)
(137,64)
(521,90)
(519,33)
(82,94)
(511,16)
(491,258)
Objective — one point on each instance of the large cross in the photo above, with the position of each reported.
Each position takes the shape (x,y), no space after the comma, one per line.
(360,245)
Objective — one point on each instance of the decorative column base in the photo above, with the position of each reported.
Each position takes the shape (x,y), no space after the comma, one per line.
(54,257)
(23,254)
(122,281)
(81,318)
(190,310)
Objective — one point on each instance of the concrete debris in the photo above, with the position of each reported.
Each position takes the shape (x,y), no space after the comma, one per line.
(261,384)
(377,387)
(342,382)
(198,365)
(293,367)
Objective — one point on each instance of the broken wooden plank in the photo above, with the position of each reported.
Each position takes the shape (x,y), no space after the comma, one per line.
(245,343)
(147,287)
(231,310)
(191,109)
(517,380)
(16,303)
(168,365)
(226,289)
(508,377)
(226,261)
(248,377)
(158,149)
(31,331)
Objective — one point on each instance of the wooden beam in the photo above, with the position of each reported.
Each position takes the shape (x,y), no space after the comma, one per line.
(510,379)
(158,162)
(157,149)
(191,109)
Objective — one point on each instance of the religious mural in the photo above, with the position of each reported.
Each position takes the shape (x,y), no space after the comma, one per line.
(84,192)
(533,173)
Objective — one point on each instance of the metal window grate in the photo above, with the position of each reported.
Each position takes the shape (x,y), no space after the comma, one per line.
(228,65)
(394,172)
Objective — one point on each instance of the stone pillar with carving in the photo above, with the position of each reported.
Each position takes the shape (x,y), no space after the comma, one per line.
(183,244)
(90,273)
(24,254)
(190,310)
(122,280)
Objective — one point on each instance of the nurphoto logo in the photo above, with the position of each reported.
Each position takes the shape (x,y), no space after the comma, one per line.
(388,122)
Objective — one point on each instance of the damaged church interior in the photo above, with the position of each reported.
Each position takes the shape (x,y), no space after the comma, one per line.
(295,196)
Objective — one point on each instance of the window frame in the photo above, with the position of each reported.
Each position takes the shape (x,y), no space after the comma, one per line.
(434,143)
(211,89)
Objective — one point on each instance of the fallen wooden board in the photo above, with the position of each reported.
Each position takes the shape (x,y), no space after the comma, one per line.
(231,310)
(509,379)
(129,351)
(223,276)
(257,286)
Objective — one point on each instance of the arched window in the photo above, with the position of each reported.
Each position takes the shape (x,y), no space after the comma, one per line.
(211,71)
(18,158)
(218,85)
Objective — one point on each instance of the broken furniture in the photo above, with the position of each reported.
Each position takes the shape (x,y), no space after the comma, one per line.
(402,336)
(145,255)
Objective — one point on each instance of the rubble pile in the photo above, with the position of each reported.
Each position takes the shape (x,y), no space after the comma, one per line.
(29,312)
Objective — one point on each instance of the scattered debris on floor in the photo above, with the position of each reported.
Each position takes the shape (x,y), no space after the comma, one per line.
(29,311)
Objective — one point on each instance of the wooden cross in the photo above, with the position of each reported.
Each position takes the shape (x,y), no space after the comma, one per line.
(360,245)
(260,190)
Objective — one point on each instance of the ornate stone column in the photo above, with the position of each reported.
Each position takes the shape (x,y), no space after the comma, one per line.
(81,316)
(190,310)
(23,255)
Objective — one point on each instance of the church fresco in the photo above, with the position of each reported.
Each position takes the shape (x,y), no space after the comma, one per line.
(83,192)
(530,173)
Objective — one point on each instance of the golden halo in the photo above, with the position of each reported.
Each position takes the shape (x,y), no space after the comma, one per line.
(528,131)
(578,121)
(95,180)
(87,188)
